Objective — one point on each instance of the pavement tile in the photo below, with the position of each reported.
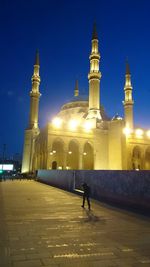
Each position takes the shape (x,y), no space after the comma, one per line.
(18,257)
(32,263)
(42,226)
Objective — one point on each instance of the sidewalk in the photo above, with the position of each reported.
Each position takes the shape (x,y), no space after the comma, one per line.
(42,226)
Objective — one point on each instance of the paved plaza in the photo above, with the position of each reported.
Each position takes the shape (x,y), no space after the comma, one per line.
(42,226)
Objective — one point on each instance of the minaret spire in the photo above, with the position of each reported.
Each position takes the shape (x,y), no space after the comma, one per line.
(127,68)
(37,58)
(76,90)
(94,77)
(128,101)
(94,34)
(35,94)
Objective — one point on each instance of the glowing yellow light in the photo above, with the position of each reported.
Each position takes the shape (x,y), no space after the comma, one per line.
(51,153)
(139,132)
(54,151)
(148,133)
(84,153)
(70,152)
(67,167)
(73,124)
(88,125)
(60,167)
(127,131)
(57,122)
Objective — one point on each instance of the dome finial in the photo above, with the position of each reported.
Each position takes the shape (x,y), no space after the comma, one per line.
(76,90)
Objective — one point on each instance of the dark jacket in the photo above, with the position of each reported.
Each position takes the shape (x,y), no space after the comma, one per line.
(86,189)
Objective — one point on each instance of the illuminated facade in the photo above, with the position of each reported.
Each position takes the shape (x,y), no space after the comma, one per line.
(82,136)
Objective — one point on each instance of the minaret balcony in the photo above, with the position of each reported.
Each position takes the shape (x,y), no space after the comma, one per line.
(128,102)
(94,75)
(36,78)
(94,56)
(35,94)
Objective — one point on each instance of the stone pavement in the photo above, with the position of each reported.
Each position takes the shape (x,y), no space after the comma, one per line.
(42,226)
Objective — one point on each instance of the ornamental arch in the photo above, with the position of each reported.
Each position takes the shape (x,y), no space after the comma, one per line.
(147,159)
(56,154)
(73,155)
(88,157)
(137,158)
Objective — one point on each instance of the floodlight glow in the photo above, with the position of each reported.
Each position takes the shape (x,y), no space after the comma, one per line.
(84,153)
(88,125)
(70,152)
(54,151)
(73,124)
(51,153)
(148,133)
(127,131)
(60,168)
(139,132)
(57,122)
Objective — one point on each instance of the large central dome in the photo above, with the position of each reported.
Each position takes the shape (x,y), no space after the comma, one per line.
(77,108)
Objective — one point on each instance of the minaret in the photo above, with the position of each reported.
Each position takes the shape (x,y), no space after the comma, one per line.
(94,77)
(32,130)
(76,90)
(128,101)
(35,95)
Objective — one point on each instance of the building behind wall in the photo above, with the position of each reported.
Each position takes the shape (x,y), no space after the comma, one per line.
(82,136)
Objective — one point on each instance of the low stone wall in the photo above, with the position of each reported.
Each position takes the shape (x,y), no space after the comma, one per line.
(63,179)
(128,188)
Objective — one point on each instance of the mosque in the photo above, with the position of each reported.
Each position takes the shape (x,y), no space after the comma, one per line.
(82,136)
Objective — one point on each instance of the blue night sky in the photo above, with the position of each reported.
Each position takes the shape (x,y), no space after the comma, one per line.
(62,31)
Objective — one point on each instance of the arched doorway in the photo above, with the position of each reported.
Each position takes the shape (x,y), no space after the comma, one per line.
(88,157)
(56,155)
(147,159)
(136,158)
(73,156)
(54,165)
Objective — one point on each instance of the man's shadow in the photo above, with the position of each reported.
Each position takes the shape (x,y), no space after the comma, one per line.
(91,217)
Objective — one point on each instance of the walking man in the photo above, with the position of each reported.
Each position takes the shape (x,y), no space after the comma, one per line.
(86,195)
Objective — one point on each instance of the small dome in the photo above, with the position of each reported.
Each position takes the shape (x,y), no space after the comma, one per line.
(117,117)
